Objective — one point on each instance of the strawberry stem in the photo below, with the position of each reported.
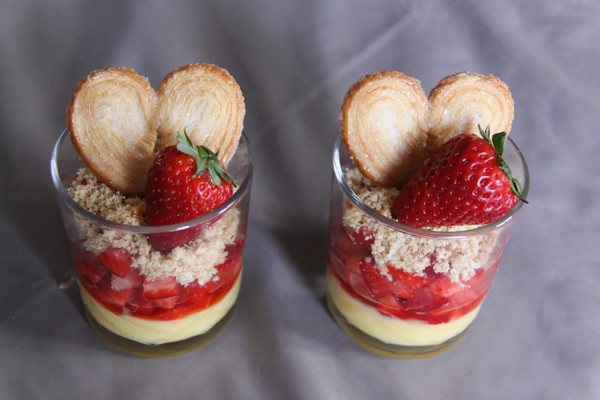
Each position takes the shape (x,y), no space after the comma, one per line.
(498,141)
(206,160)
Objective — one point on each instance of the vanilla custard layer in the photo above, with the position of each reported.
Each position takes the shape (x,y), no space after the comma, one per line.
(153,332)
(393,330)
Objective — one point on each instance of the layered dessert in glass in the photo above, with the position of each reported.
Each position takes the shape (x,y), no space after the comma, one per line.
(401,290)
(157,289)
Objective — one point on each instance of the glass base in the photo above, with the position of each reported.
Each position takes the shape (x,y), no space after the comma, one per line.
(389,350)
(163,350)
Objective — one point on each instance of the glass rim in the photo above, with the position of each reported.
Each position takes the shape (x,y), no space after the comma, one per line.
(64,197)
(426,233)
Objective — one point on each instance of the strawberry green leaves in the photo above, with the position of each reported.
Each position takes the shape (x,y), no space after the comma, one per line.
(206,160)
(498,141)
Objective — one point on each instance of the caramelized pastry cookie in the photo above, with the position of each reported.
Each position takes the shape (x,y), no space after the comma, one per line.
(464,100)
(384,125)
(109,120)
(207,102)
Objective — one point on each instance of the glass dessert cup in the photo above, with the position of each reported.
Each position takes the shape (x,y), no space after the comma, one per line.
(151,303)
(401,291)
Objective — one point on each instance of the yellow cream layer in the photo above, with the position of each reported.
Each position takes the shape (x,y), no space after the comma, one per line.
(154,332)
(393,330)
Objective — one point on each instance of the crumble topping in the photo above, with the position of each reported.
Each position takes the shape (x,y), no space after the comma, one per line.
(194,261)
(457,258)
(106,203)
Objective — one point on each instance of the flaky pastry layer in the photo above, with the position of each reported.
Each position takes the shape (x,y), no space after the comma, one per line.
(462,101)
(110,124)
(207,102)
(384,126)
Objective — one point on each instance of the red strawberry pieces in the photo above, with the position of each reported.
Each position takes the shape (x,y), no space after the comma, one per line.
(132,280)
(157,299)
(90,270)
(160,288)
(465,183)
(184,182)
(431,297)
(377,283)
(402,284)
(405,295)
(116,260)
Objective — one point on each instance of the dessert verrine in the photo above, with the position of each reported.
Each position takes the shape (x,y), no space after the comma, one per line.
(411,256)
(157,232)
(144,294)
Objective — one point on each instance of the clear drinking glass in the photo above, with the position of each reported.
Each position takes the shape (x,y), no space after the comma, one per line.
(147,302)
(433,283)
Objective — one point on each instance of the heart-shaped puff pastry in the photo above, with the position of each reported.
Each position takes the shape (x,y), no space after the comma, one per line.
(118,122)
(206,101)
(110,119)
(390,126)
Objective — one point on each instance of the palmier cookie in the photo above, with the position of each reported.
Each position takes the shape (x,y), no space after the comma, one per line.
(110,123)
(384,126)
(207,102)
(464,100)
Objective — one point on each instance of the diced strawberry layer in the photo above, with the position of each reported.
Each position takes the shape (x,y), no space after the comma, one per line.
(116,260)
(130,281)
(377,283)
(160,288)
(90,272)
(127,291)
(429,297)
(167,302)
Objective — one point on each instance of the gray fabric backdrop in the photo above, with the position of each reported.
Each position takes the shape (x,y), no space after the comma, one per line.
(538,335)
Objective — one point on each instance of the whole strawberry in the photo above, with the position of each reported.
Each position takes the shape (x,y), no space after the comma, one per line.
(466,182)
(184,182)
